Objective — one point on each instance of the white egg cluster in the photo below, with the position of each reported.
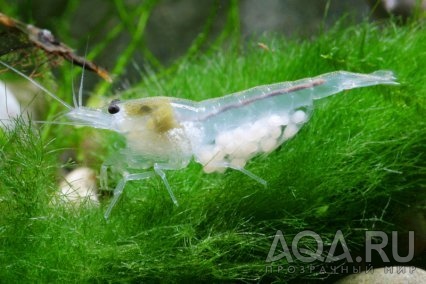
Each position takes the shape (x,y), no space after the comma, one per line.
(235,147)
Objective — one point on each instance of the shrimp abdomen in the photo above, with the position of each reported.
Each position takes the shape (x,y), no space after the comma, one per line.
(228,131)
(338,81)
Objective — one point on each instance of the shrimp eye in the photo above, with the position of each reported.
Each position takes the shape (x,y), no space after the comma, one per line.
(113,108)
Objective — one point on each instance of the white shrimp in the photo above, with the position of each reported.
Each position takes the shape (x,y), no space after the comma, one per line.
(165,133)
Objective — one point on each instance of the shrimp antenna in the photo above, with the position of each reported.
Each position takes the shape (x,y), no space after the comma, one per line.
(74,99)
(80,90)
(37,85)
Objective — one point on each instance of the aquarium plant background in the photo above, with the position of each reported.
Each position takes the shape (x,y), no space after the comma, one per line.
(357,166)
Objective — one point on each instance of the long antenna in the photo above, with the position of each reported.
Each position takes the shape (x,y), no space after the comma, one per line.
(38,85)
(80,90)
(74,97)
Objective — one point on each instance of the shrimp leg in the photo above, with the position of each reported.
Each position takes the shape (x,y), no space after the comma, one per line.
(120,187)
(103,176)
(158,168)
(248,173)
(118,191)
(115,163)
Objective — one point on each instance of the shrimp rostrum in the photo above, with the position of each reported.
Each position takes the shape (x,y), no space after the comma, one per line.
(166,133)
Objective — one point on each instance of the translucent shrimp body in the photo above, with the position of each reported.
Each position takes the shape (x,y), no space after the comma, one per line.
(226,132)
(165,133)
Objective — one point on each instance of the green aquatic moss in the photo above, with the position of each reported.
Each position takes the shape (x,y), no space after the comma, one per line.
(357,165)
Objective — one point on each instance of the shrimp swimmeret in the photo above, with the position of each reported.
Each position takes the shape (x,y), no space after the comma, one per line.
(165,133)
